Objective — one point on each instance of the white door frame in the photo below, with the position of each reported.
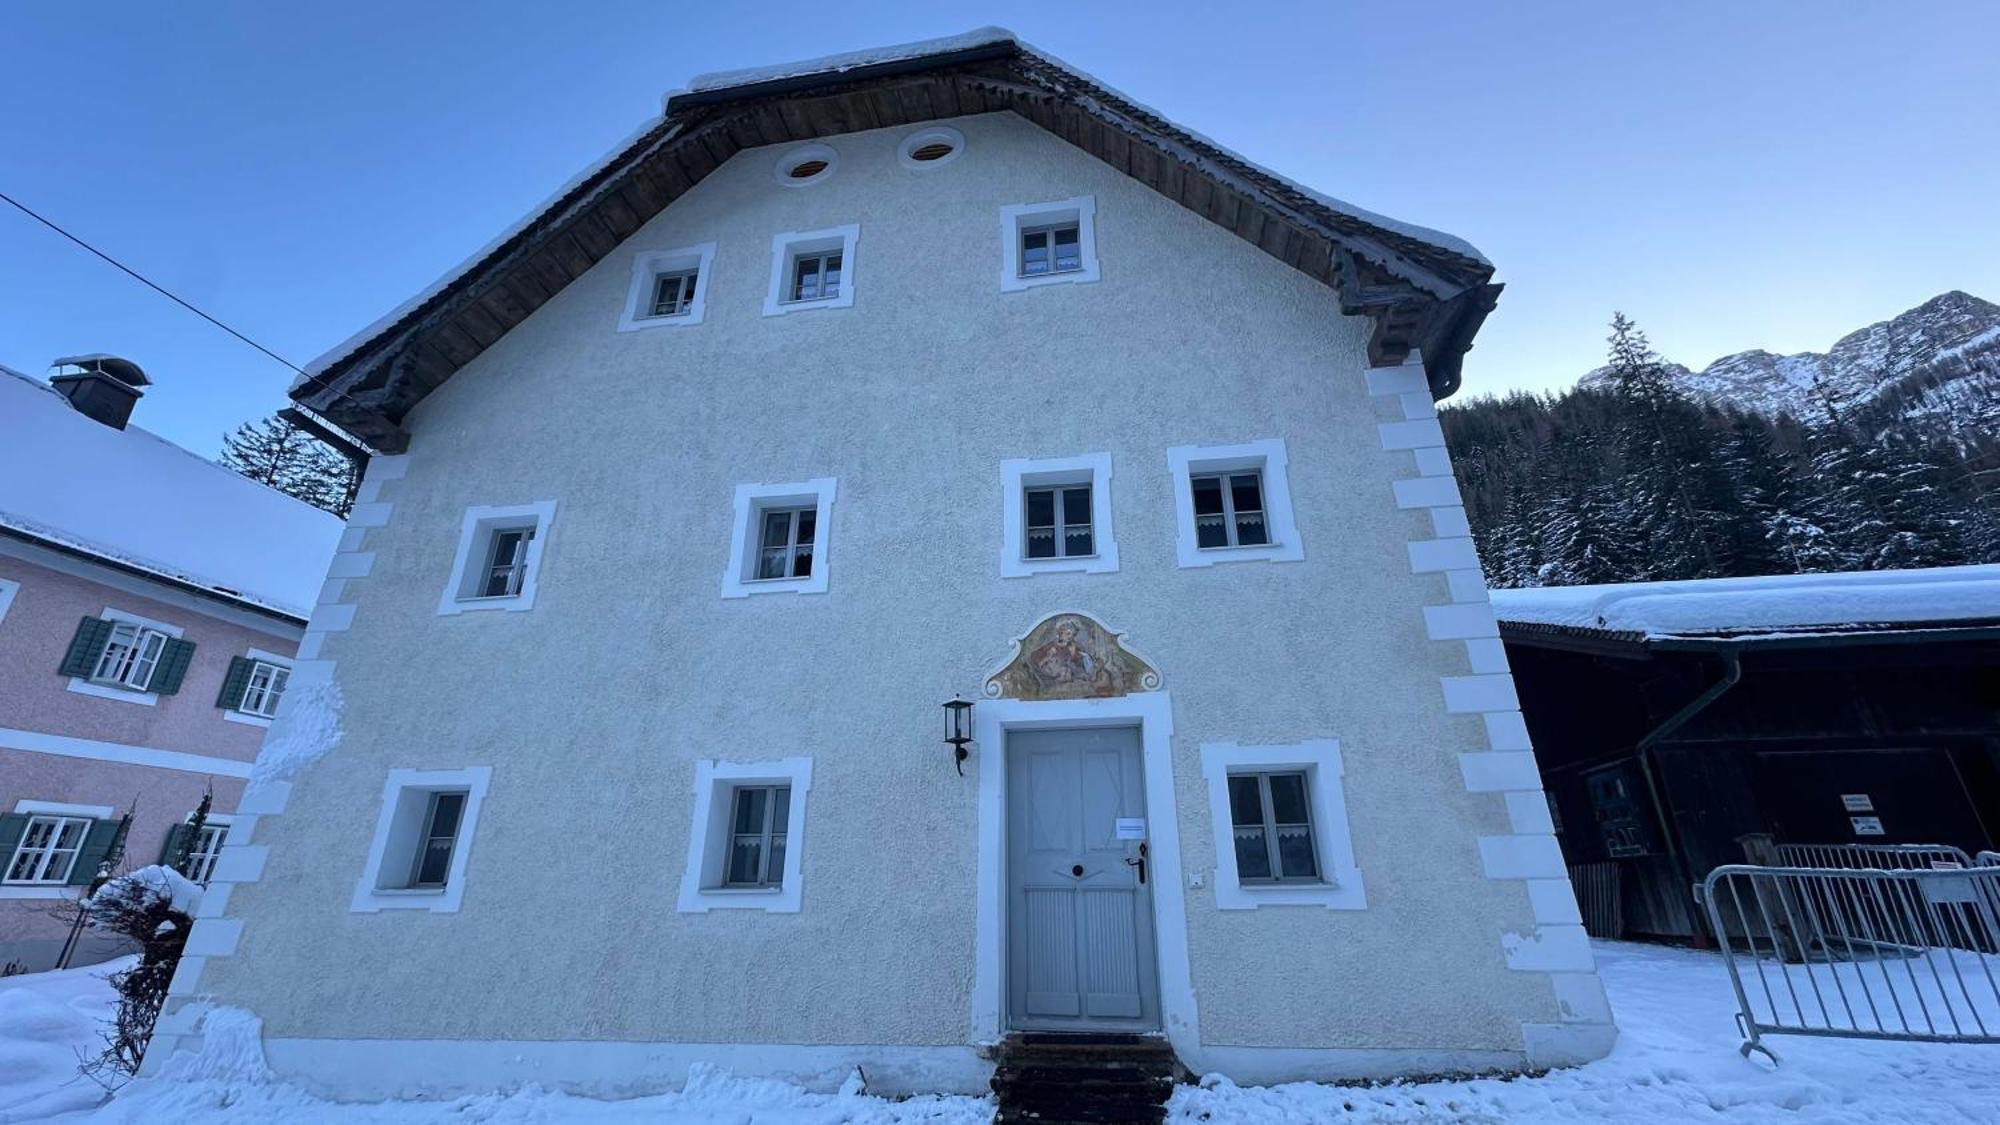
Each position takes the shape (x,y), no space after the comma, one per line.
(1152,712)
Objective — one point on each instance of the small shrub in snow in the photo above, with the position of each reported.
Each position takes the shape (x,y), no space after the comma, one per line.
(154,908)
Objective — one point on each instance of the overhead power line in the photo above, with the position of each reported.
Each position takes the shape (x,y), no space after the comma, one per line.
(149,283)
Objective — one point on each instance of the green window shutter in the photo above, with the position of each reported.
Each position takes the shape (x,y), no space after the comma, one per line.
(174,852)
(172,667)
(235,683)
(96,849)
(92,634)
(12,827)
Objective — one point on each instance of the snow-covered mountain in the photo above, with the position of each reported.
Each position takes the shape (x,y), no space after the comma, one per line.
(1858,368)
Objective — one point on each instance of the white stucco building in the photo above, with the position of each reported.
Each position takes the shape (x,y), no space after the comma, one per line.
(843,390)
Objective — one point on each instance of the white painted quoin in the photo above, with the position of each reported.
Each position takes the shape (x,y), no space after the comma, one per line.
(621,914)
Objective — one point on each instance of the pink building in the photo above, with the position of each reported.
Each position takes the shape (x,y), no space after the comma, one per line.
(151,602)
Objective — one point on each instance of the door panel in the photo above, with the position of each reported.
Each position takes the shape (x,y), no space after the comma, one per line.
(1080,922)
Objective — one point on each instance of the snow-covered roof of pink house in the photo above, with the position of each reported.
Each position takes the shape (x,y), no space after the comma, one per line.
(1423,289)
(1753,609)
(143,504)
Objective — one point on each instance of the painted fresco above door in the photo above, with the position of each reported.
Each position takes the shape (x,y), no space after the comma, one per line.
(1071,656)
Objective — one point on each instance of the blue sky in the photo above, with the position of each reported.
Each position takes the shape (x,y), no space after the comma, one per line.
(1732,175)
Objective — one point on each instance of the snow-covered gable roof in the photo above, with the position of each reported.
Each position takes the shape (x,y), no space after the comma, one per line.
(1424,289)
(141,502)
(1750,608)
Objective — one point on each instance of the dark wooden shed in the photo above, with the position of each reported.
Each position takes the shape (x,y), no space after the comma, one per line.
(1671,720)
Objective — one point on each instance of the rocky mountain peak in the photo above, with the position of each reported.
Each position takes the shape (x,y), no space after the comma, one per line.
(1856,369)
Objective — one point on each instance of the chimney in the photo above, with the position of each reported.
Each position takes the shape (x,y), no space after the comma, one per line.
(104,387)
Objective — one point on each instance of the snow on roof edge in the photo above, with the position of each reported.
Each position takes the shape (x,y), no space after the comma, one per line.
(1785,604)
(319,364)
(850,60)
(834,64)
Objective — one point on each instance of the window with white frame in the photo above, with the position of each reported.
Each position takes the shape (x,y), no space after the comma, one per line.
(499,558)
(1281,830)
(669,288)
(431,866)
(1229,509)
(745,842)
(204,851)
(1272,822)
(812,270)
(130,655)
(423,840)
(757,836)
(48,849)
(1048,243)
(779,543)
(785,545)
(122,656)
(265,687)
(815,274)
(1233,503)
(1057,516)
(8,588)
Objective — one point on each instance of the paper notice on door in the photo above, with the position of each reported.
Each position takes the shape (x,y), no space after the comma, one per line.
(1131,828)
(1857,802)
(1866,825)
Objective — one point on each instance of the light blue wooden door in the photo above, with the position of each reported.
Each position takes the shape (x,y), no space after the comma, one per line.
(1079,901)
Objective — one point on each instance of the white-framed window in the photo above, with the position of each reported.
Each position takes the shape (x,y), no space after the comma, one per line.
(499,557)
(266,687)
(758,818)
(48,849)
(931,147)
(1048,243)
(1056,516)
(254,687)
(669,288)
(812,269)
(135,651)
(205,849)
(8,588)
(1233,503)
(805,165)
(1281,831)
(746,842)
(130,656)
(779,543)
(423,840)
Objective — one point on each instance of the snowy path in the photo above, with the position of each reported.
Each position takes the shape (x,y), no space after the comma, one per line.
(1676,1062)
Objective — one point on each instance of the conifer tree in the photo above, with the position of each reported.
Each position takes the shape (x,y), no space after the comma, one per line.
(1888,506)
(1675,496)
(273,451)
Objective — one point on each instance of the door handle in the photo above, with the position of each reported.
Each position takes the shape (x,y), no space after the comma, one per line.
(1139,863)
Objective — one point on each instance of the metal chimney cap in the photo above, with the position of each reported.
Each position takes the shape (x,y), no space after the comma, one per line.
(119,368)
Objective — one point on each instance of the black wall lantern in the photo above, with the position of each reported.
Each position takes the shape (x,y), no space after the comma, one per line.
(958,729)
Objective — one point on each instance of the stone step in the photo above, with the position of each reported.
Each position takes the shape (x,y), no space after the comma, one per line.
(1083,1115)
(1008,1076)
(1045,1078)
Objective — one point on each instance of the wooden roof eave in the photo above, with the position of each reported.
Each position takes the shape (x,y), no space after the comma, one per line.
(1435,304)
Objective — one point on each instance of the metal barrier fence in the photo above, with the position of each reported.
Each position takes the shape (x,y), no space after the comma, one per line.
(1882,857)
(1863,953)
(1987,859)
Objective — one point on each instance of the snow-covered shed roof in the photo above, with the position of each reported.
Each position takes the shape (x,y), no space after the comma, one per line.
(141,503)
(1424,289)
(1752,609)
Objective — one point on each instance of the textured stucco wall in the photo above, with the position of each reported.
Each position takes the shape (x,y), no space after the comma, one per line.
(592,707)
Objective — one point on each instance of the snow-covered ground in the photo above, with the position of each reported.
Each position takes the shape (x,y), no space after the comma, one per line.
(49,1023)
(1676,1061)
